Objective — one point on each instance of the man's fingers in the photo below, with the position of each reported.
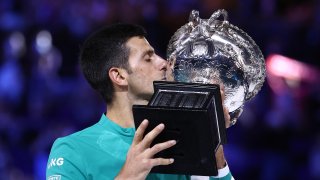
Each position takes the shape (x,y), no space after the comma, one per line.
(139,132)
(151,135)
(225,109)
(161,161)
(227,116)
(150,152)
(223,96)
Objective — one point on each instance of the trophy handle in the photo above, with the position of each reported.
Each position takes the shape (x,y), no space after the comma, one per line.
(195,19)
(218,13)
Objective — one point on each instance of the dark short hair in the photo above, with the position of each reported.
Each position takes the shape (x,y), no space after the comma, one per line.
(104,49)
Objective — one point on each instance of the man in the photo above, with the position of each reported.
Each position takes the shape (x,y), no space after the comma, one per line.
(121,65)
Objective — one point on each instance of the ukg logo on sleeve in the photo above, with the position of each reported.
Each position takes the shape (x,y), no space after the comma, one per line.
(55,162)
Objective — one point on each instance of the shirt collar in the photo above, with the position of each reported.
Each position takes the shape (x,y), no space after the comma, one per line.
(112,126)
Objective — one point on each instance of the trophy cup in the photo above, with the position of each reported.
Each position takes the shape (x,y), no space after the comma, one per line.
(213,51)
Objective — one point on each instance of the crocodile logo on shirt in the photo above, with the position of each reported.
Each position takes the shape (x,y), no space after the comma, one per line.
(55,162)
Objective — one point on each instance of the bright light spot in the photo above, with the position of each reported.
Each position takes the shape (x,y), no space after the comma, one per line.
(291,69)
(286,72)
(43,42)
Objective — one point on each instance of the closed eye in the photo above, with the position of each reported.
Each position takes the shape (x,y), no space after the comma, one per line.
(148,54)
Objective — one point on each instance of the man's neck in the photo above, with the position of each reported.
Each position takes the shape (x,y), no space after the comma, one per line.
(120,114)
(120,110)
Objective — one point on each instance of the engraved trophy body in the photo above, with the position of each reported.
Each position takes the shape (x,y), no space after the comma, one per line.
(213,51)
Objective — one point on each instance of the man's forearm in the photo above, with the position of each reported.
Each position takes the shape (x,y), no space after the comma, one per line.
(221,161)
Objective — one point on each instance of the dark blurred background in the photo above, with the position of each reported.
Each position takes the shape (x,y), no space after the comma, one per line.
(43,95)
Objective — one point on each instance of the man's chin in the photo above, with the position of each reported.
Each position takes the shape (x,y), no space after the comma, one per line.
(163,79)
(144,100)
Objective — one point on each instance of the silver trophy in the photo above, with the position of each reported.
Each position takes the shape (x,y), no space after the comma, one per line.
(217,52)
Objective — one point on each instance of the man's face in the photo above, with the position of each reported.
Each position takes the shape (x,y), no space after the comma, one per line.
(146,66)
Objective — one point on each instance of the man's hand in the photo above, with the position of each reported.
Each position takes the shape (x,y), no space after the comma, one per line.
(221,161)
(140,159)
(225,109)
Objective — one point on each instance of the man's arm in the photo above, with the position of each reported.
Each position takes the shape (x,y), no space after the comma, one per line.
(223,168)
(64,162)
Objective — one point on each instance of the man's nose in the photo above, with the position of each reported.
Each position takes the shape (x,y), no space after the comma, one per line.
(163,63)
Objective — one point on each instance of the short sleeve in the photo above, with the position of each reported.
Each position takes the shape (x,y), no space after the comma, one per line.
(65,162)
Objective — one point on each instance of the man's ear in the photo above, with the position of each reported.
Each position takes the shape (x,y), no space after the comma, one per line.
(118,76)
